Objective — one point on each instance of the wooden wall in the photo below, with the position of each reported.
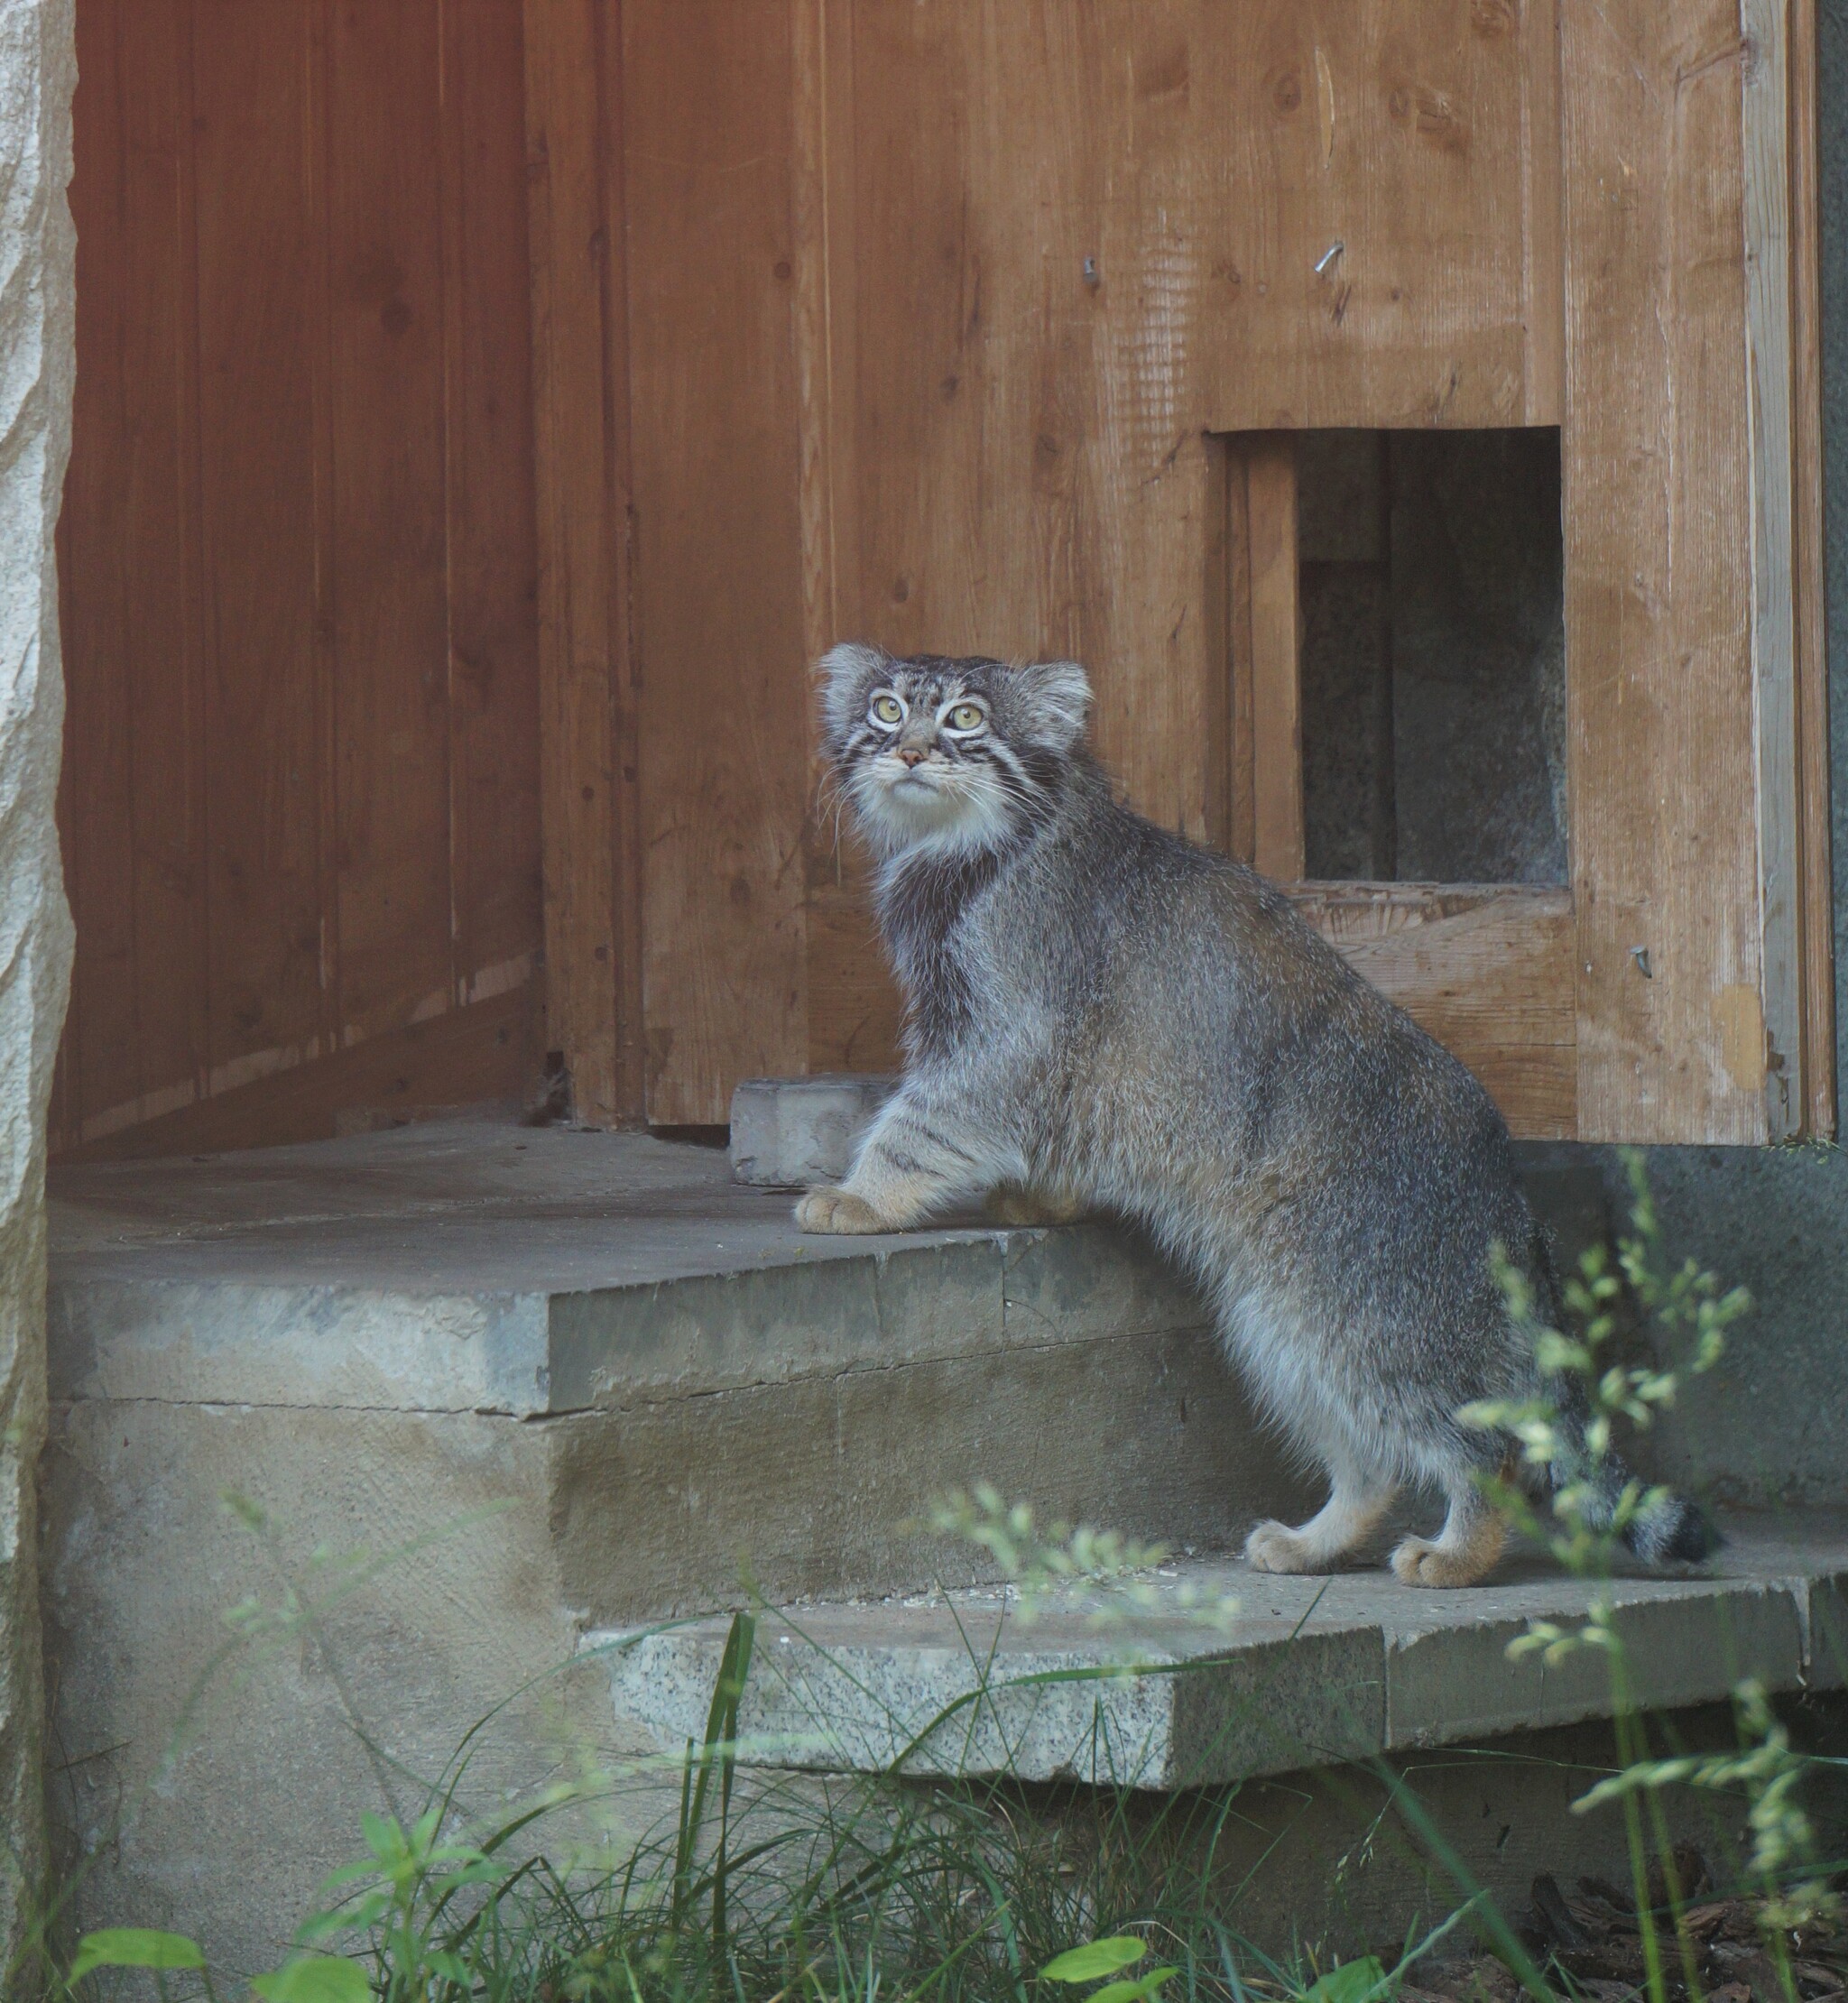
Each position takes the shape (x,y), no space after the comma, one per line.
(488,409)
(300,798)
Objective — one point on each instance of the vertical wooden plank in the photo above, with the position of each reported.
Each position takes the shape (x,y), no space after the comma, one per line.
(259,280)
(1771,409)
(389,552)
(160,528)
(1276,726)
(1543,383)
(725,720)
(1816,904)
(1657,452)
(129,584)
(1242,835)
(493,563)
(1216,613)
(95,797)
(587,761)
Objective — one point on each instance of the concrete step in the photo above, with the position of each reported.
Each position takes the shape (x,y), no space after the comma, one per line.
(549,1382)
(680,1381)
(1205,1671)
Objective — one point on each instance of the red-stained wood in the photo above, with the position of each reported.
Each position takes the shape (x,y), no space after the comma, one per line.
(259,274)
(588,763)
(724,703)
(389,555)
(298,548)
(462,1058)
(493,561)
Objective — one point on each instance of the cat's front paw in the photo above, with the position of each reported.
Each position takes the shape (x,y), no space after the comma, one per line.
(1276,1547)
(837,1211)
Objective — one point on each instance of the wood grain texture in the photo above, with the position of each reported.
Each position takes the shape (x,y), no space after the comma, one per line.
(462,1058)
(1081,241)
(1657,576)
(493,560)
(587,716)
(1771,410)
(1816,899)
(724,708)
(1488,970)
(1276,657)
(390,543)
(303,716)
(268,861)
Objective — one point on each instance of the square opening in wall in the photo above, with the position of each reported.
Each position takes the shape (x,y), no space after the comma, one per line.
(1432,663)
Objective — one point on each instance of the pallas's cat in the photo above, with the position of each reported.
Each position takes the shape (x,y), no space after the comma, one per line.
(1102,1014)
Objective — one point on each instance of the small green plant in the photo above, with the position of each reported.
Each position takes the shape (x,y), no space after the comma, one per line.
(1688,1309)
(1110,1576)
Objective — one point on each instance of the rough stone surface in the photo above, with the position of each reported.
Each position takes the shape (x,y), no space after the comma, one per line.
(1141,1691)
(649,1380)
(787,1133)
(38,71)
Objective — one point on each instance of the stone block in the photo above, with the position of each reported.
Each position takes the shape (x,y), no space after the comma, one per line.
(789,1132)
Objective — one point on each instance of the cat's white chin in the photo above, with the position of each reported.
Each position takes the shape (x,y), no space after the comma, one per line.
(913,811)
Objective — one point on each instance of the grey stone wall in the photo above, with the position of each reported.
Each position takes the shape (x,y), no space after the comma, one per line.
(1772,1425)
(38,293)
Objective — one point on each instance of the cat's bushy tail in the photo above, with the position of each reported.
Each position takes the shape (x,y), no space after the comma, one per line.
(1673,1530)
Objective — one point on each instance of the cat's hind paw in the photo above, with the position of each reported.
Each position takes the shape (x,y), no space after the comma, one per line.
(838,1212)
(1418,1562)
(1276,1547)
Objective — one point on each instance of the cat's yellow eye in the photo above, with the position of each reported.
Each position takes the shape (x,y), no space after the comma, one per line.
(887,710)
(966,717)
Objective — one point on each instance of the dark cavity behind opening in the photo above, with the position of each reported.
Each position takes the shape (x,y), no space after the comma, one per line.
(1433,656)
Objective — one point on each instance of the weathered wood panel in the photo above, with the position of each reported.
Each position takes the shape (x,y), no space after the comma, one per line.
(1817,902)
(492,555)
(297,580)
(1488,970)
(725,709)
(1076,241)
(1274,667)
(262,376)
(1671,1038)
(390,543)
(589,788)
(447,1061)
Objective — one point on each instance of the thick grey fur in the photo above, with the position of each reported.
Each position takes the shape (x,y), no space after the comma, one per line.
(1104,1015)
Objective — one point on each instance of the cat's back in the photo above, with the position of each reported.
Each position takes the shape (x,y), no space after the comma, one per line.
(1196,999)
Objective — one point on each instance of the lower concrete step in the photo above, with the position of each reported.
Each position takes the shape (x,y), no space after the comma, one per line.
(1205,1671)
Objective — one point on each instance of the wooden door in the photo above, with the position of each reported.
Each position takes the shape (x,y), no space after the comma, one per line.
(1000,328)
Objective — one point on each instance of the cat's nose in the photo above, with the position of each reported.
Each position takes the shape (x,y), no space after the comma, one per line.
(912,755)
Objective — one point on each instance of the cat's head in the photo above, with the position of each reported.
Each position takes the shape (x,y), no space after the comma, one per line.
(953,755)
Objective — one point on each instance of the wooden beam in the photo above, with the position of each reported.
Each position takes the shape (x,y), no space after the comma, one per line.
(1770,410)
(1276,640)
(1658,597)
(1816,900)
(580,421)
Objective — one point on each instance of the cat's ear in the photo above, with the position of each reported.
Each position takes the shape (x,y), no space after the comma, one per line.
(1056,698)
(846,674)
